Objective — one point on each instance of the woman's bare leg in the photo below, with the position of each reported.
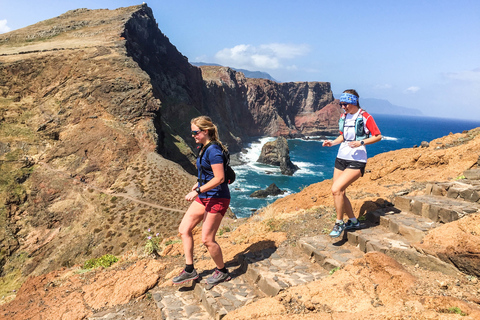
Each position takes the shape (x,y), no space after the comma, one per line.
(210,227)
(341,180)
(192,217)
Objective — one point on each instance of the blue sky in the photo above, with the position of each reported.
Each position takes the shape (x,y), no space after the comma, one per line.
(415,53)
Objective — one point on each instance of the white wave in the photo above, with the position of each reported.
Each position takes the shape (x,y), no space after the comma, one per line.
(389,138)
(244,187)
(309,169)
(254,150)
(317,138)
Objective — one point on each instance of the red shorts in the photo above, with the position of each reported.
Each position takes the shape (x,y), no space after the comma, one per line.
(214,205)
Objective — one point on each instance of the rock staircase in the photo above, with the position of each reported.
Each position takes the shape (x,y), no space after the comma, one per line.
(255,275)
(391,230)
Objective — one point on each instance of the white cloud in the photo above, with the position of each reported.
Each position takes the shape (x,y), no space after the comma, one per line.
(266,56)
(3,26)
(412,89)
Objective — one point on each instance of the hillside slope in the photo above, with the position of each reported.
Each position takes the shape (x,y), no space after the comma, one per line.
(372,287)
(95,144)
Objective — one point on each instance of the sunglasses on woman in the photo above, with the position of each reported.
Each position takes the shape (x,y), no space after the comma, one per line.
(195,132)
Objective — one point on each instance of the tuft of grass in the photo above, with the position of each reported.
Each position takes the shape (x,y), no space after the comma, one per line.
(456,310)
(333,270)
(104,261)
(169,242)
(222,230)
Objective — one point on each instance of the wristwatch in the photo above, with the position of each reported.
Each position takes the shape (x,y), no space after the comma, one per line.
(198,190)
(362,142)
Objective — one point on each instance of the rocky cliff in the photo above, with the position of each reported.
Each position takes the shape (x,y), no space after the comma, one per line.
(260,107)
(95,144)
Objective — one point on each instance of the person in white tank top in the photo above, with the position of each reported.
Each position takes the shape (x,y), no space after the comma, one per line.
(351,158)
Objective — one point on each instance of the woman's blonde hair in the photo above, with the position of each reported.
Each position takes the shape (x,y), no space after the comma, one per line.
(205,123)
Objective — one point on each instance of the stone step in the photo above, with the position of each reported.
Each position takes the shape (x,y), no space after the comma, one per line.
(226,296)
(329,253)
(333,253)
(436,208)
(179,305)
(272,270)
(468,190)
(412,227)
(378,238)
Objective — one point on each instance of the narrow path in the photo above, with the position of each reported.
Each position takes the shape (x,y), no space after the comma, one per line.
(110,192)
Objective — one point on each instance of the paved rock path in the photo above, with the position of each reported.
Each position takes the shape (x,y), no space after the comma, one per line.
(390,230)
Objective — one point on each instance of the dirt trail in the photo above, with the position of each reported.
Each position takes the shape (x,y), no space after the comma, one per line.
(110,192)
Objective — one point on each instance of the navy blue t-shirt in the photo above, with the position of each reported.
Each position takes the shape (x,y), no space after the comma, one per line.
(213,155)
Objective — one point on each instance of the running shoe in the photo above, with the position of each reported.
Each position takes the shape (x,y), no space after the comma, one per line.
(217,277)
(351,226)
(337,230)
(185,276)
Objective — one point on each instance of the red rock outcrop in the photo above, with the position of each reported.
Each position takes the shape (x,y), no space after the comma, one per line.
(264,107)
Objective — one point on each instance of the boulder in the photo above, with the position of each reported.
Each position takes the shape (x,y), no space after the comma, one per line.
(472,174)
(424,144)
(277,153)
(271,190)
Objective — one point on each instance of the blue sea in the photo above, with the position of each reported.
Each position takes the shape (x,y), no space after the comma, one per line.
(316,162)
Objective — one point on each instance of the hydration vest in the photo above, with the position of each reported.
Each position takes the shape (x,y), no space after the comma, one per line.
(360,133)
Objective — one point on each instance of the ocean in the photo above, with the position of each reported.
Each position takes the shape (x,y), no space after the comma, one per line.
(316,162)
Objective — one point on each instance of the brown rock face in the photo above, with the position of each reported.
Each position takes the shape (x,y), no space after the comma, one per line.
(457,242)
(277,153)
(264,107)
(65,295)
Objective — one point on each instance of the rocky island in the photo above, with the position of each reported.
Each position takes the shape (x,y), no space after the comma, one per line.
(277,153)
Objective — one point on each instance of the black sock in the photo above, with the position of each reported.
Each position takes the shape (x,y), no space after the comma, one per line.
(189,268)
(223,270)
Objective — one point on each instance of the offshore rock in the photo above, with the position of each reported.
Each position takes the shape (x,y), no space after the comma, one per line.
(277,153)
(271,190)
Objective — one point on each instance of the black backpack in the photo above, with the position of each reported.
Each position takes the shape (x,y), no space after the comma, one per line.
(229,173)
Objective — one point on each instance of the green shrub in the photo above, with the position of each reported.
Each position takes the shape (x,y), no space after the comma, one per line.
(104,261)
(456,310)
(152,242)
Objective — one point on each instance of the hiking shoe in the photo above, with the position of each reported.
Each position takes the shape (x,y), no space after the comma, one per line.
(337,230)
(352,226)
(185,276)
(217,277)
